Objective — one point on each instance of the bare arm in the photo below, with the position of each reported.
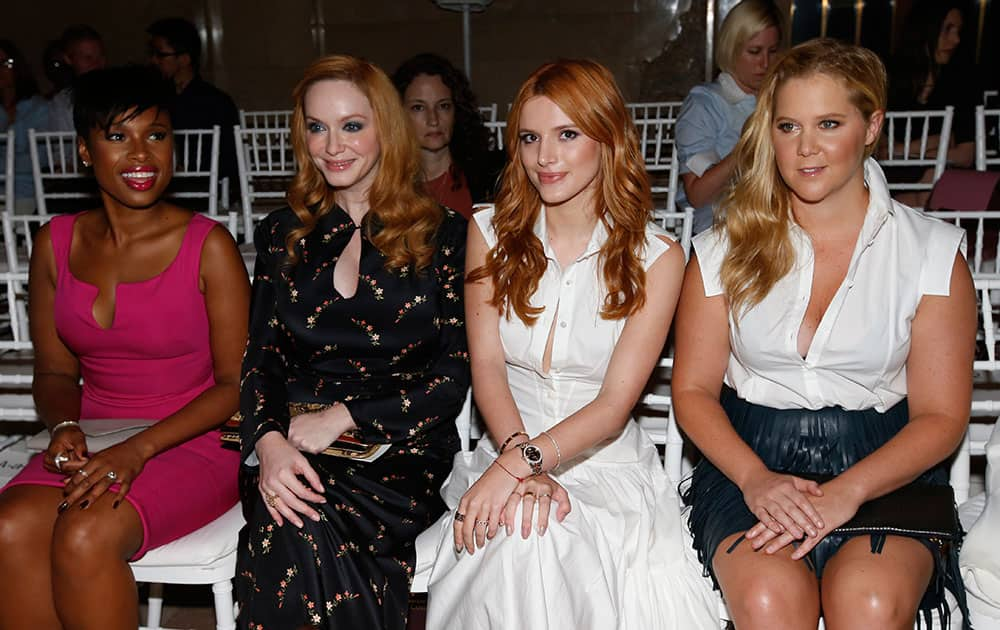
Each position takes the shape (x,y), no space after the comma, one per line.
(701,191)
(703,351)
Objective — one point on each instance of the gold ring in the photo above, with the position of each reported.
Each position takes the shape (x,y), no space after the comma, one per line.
(528,494)
(271,499)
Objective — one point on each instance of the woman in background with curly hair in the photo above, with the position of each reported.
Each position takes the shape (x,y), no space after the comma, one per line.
(569,301)
(356,326)
(458,167)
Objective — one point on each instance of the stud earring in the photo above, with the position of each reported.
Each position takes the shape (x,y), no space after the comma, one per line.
(86,163)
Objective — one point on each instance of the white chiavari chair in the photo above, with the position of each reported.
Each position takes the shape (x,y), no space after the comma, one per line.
(196,166)
(266,164)
(497,128)
(488,112)
(982,228)
(680,225)
(912,141)
(659,152)
(266,119)
(987,138)
(653,110)
(56,169)
(7,171)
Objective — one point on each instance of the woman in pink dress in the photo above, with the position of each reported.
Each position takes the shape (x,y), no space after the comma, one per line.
(147,303)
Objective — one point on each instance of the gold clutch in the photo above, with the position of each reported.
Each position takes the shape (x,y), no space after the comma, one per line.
(348,445)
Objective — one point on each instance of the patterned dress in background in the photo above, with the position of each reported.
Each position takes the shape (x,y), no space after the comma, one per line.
(395,354)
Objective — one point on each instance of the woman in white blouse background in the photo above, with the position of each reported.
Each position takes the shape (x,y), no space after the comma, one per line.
(838,329)
(565,518)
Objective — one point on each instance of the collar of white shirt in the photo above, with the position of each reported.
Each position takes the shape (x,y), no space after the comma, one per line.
(731,91)
(597,238)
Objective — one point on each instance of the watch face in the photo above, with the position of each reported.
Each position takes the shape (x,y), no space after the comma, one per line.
(532,454)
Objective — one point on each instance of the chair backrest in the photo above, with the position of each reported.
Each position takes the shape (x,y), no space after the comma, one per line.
(659,152)
(196,166)
(982,229)
(266,119)
(680,225)
(659,109)
(488,112)
(987,138)
(7,171)
(266,164)
(496,128)
(18,237)
(56,168)
(913,140)
(990,98)
(14,333)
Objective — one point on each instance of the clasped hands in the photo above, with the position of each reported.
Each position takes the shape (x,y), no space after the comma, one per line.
(90,476)
(283,466)
(491,503)
(791,509)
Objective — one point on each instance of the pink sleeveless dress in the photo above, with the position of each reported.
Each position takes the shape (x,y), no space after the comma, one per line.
(153,360)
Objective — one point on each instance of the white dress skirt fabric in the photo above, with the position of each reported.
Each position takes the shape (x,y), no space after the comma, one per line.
(622,558)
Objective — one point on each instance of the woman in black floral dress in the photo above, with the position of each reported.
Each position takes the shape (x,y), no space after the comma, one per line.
(356,326)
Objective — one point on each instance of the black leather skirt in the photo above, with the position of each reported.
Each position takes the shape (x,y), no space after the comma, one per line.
(823,442)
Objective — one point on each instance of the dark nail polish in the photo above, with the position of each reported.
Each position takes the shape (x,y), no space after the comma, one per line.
(114,506)
(63,506)
(83,506)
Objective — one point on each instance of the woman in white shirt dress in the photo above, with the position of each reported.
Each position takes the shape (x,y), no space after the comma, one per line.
(564,517)
(838,326)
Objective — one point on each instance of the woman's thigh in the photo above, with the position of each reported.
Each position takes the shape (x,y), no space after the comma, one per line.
(865,589)
(27,515)
(766,590)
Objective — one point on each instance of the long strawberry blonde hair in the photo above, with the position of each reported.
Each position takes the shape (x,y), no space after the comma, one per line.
(757,209)
(402,219)
(586,92)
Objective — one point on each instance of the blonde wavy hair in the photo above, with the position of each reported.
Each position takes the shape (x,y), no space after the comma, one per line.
(586,92)
(756,212)
(402,219)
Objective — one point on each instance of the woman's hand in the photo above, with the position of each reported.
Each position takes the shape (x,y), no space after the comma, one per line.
(783,503)
(69,441)
(836,505)
(119,464)
(285,495)
(313,432)
(478,515)
(542,490)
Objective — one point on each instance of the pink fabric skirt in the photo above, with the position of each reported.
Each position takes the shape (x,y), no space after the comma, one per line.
(179,490)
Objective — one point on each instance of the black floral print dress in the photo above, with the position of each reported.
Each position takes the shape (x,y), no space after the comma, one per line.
(396,355)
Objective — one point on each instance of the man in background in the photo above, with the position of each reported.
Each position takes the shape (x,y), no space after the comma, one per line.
(83,51)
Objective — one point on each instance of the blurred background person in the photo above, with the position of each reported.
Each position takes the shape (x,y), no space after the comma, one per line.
(459,169)
(23,108)
(712,116)
(82,51)
(175,50)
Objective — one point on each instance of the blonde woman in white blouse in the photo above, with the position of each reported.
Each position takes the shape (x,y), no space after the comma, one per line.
(838,329)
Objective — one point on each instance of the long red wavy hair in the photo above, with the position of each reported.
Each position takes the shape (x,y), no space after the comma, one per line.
(402,219)
(587,93)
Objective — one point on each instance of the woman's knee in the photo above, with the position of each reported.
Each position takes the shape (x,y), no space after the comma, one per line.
(868,601)
(26,519)
(765,598)
(96,534)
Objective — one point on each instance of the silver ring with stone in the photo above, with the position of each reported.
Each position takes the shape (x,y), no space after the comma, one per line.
(59,460)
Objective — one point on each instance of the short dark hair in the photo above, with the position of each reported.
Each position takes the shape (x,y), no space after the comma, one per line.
(103,97)
(25,85)
(78,33)
(182,36)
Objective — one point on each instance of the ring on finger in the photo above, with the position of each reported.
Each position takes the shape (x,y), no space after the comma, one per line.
(528,494)
(482,523)
(59,460)
(459,517)
(545,496)
(83,473)
(271,499)
(112,475)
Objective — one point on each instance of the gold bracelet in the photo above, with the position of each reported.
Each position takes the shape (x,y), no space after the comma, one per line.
(558,452)
(513,435)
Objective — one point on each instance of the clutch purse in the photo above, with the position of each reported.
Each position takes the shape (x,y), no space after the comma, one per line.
(101,434)
(917,509)
(348,445)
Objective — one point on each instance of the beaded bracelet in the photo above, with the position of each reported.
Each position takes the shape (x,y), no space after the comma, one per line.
(63,425)
(556,445)
(504,468)
(503,447)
